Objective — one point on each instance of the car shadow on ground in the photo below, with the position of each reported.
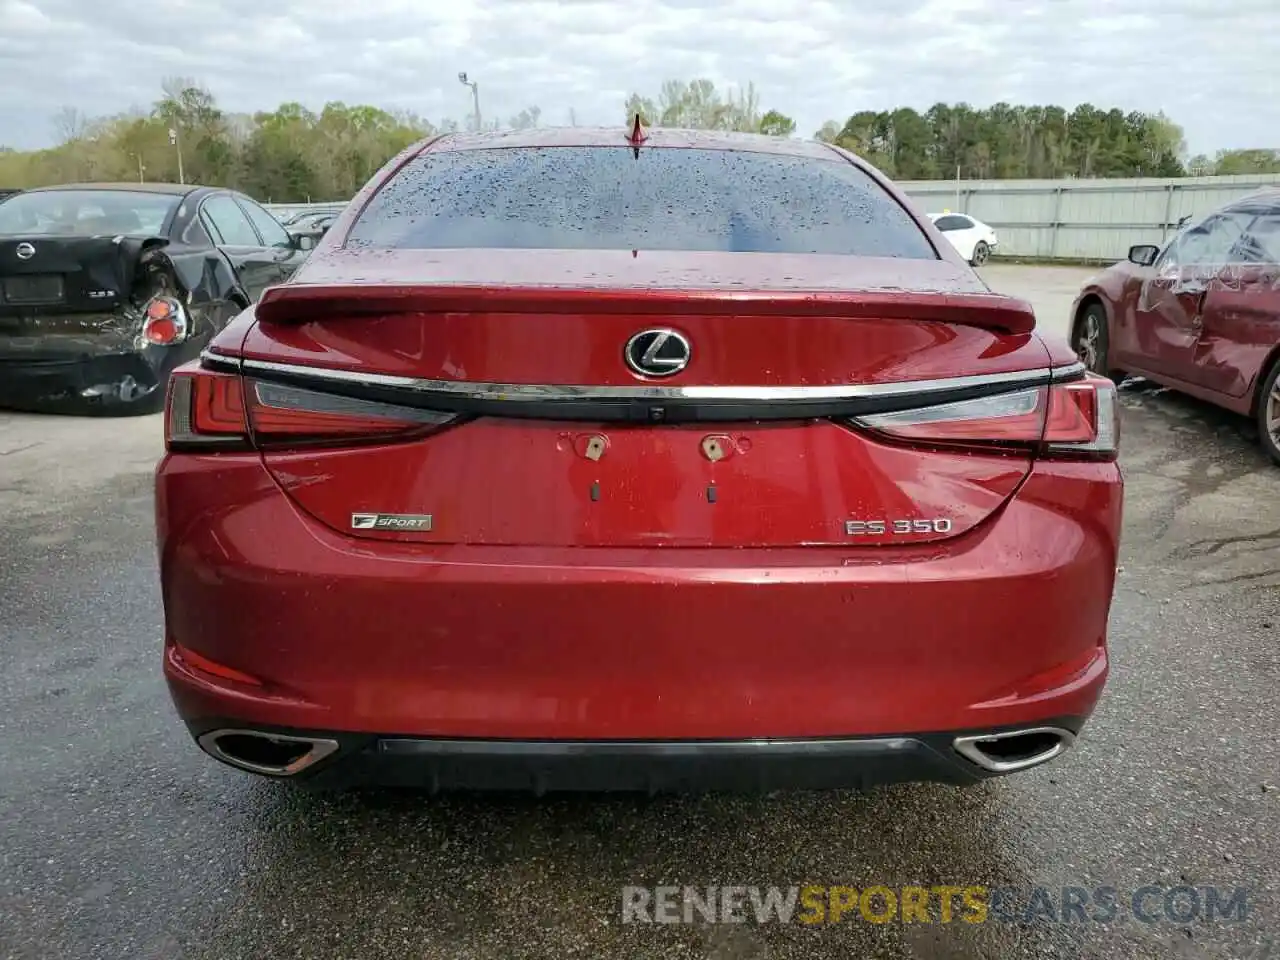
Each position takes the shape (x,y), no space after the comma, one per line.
(463,869)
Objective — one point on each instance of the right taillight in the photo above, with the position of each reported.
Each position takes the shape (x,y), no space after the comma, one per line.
(214,410)
(1077,420)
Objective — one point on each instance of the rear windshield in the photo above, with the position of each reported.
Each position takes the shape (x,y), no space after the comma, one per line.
(86,212)
(606,198)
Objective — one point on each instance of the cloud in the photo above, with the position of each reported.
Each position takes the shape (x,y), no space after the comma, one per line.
(1210,66)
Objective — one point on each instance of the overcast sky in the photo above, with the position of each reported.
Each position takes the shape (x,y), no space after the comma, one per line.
(1212,65)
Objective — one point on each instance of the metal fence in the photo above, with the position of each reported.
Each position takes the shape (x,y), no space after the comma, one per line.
(1055,219)
(1082,219)
(286,210)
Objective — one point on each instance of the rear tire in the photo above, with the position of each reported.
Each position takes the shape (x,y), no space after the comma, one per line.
(1269,413)
(1091,341)
(981,254)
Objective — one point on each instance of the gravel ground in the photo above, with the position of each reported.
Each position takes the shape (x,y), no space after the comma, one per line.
(118,839)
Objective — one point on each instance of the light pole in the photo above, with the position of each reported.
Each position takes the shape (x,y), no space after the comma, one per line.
(173,141)
(475,96)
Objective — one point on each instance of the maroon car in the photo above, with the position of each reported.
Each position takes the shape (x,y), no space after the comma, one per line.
(1201,316)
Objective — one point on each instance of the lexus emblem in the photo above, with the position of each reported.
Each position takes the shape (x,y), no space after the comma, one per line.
(657,353)
(25,251)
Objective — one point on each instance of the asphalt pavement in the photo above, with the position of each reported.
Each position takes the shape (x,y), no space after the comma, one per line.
(119,839)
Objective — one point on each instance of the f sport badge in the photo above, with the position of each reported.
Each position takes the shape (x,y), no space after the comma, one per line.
(391,521)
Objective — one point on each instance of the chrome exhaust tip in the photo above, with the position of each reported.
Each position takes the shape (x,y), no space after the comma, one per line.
(1011,750)
(271,754)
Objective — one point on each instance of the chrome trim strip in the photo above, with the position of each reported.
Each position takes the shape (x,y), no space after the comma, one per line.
(1069,371)
(1028,400)
(218,361)
(541,393)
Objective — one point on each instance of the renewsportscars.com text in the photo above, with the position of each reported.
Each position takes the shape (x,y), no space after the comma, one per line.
(815,904)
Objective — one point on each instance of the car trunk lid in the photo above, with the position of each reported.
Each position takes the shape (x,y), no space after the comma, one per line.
(555,440)
(47,275)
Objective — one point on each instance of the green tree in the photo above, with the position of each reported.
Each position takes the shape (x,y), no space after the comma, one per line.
(698,105)
(1007,141)
(294,153)
(1165,146)
(1230,162)
(288,154)
(192,113)
(828,132)
(777,124)
(868,134)
(281,156)
(1200,166)
(525,119)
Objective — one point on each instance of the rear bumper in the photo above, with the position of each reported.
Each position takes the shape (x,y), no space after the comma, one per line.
(274,621)
(437,764)
(77,382)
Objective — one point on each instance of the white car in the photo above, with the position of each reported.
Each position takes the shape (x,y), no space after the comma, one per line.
(973,239)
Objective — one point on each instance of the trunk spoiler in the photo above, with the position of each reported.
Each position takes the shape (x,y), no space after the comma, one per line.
(298,303)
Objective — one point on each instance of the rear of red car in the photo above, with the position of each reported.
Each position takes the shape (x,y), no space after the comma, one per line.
(579,463)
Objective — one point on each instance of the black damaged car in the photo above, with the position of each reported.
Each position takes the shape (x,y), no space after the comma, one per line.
(106,287)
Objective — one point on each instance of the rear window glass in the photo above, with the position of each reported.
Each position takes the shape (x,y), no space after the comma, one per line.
(86,212)
(606,198)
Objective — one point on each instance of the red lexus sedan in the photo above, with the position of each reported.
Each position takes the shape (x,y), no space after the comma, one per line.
(616,459)
(1201,315)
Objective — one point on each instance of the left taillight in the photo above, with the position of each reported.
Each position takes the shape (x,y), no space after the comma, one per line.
(210,409)
(285,415)
(1078,420)
(205,410)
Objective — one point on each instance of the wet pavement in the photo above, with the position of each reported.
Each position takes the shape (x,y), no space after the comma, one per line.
(119,839)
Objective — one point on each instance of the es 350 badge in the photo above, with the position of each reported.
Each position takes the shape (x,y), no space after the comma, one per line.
(896,527)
